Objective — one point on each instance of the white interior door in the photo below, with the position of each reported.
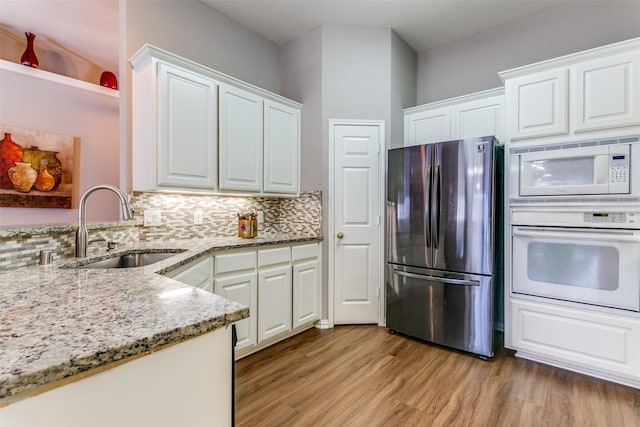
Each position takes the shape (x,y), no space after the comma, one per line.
(356,221)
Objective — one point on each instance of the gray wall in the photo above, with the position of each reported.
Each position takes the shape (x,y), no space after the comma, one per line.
(301,62)
(403,86)
(345,73)
(471,64)
(204,35)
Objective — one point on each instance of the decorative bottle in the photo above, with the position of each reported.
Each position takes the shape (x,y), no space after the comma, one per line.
(10,154)
(29,57)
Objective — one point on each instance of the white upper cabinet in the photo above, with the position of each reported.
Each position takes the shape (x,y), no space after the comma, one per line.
(482,117)
(595,92)
(538,104)
(241,139)
(474,115)
(281,148)
(427,126)
(604,92)
(187,128)
(197,129)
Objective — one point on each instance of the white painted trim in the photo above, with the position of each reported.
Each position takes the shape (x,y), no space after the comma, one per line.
(450,102)
(323,324)
(330,236)
(56,78)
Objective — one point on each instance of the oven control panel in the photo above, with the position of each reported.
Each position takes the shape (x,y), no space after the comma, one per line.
(576,218)
(606,217)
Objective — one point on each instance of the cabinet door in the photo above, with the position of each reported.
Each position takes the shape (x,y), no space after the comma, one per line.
(306,292)
(479,118)
(241,140)
(274,300)
(242,288)
(187,129)
(198,274)
(281,146)
(424,127)
(606,92)
(537,104)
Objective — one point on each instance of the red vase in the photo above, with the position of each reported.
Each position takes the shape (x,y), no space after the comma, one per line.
(108,79)
(29,57)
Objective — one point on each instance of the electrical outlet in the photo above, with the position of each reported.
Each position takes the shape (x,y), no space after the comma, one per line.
(260,217)
(152,217)
(197,217)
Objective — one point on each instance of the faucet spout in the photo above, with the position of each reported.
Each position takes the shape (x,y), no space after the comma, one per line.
(81,233)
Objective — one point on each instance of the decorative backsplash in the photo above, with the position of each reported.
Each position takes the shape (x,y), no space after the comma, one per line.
(302,215)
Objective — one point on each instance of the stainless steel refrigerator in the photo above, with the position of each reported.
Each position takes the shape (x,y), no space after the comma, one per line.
(443,269)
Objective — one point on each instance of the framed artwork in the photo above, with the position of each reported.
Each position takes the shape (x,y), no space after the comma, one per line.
(36,168)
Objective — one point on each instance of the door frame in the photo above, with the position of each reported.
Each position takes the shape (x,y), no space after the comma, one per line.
(331,234)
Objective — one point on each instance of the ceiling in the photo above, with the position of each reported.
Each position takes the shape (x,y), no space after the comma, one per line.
(89,27)
(423,24)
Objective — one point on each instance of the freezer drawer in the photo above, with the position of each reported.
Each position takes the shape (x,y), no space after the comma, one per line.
(452,309)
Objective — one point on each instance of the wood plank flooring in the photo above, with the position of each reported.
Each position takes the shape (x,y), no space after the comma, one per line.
(363,376)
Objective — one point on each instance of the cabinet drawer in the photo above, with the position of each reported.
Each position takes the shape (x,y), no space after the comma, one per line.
(581,337)
(235,262)
(305,251)
(273,256)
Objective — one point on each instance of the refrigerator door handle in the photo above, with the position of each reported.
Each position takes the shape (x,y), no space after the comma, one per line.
(446,280)
(436,230)
(428,207)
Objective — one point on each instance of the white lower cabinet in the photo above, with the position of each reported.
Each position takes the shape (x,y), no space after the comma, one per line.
(199,274)
(274,300)
(274,292)
(281,287)
(306,284)
(601,344)
(236,279)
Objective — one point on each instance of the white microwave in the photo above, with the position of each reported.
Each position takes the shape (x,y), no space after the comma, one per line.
(600,169)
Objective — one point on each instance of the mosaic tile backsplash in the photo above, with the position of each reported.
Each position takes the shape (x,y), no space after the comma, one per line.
(300,215)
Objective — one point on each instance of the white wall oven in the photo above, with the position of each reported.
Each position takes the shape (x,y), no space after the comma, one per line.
(590,257)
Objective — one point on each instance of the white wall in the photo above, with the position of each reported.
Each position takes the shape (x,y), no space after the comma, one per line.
(33,103)
(471,64)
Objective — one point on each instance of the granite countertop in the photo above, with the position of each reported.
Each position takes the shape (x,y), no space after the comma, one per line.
(57,321)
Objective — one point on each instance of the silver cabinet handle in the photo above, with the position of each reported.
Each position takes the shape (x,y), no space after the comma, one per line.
(438,279)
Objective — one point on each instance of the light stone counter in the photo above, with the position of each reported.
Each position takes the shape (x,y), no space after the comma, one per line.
(56,321)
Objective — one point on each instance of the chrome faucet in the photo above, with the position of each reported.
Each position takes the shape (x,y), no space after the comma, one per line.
(81,233)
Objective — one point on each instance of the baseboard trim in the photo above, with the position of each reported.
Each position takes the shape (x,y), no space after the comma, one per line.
(323,324)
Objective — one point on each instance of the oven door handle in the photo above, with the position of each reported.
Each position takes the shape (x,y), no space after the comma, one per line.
(569,234)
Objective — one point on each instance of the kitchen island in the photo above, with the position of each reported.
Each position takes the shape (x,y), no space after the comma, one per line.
(74,337)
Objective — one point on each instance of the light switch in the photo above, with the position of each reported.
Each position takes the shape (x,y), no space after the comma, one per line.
(152,217)
(197,217)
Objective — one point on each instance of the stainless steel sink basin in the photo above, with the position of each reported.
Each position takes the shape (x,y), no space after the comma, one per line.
(138,259)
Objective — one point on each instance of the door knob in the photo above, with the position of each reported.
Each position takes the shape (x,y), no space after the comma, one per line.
(340,235)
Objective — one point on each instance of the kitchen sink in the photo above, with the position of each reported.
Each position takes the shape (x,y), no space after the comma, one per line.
(137,259)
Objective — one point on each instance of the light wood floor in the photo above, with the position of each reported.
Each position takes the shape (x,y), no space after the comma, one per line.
(353,376)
